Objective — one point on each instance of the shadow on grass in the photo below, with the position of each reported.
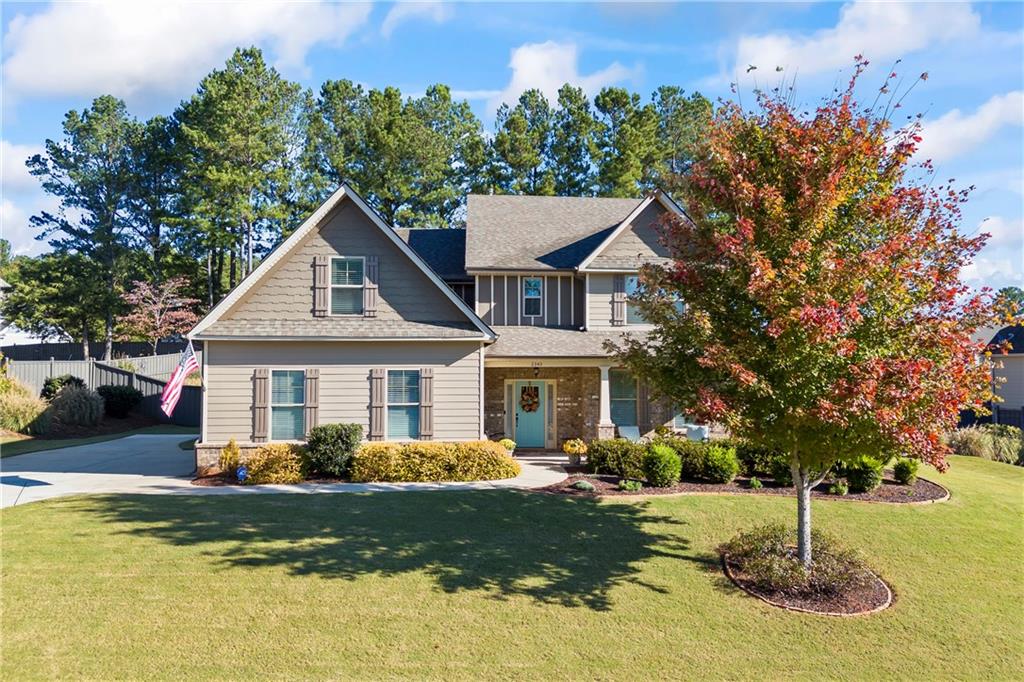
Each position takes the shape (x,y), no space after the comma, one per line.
(552,548)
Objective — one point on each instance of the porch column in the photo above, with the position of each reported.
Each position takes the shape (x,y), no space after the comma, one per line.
(605,427)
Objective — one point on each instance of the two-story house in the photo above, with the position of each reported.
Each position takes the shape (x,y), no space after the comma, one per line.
(495,330)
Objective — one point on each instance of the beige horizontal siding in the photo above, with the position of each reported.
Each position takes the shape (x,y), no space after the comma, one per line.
(599,299)
(344,381)
(637,244)
(406,293)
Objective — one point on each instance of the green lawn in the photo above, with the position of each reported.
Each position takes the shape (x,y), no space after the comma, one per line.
(496,584)
(20,447)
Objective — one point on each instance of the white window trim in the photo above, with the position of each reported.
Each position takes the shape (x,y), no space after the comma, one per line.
(388,404)
(330,283)
(271,404)
(523,296)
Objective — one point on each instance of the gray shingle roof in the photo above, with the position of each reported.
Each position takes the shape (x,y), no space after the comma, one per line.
(443,249)
(550,342)
(343,328)
(538,233)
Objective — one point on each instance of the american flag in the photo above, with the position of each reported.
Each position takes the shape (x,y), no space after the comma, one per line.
(172,391)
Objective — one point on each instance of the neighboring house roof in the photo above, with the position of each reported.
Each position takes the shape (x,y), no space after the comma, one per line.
(518,342)
(444,250)
(312,223)
(1014,334)
(323,330)
(508,232)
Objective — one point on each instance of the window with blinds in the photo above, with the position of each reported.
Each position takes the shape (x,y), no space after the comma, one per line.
(347,286)
(403,404)
(533,296)
(287,400)
(622,388)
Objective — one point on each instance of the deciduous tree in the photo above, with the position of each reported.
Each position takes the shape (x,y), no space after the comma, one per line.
(157,311)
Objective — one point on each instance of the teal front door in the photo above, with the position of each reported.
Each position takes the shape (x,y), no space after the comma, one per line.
(529,399)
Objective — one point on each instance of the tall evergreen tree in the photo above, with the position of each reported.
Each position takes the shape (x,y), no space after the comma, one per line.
(573,143)
(628,143)
(521,146)
(89,171)
(683,123)
(152,207)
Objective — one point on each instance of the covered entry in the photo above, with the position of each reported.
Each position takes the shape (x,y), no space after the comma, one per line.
(530,412)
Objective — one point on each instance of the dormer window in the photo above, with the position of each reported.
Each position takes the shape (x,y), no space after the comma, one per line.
(533,296)
(347,286)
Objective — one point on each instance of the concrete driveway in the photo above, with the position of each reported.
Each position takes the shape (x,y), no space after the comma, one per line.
(155,464)
(140,463)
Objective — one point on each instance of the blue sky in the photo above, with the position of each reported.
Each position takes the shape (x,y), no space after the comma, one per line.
(59,56)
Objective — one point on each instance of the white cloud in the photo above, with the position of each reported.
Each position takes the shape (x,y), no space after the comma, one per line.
(955,133)
(128,48)
(548,66)
(1001,262)
(15,228)
(14,175)
(400,12)
(877,30)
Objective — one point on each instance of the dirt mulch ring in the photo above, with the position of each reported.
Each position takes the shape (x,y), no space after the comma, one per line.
(873,597)
(107,425)
(890,492)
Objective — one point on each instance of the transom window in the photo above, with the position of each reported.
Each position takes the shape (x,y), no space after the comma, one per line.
(287,400)
(533,296)
(403,404)
(346,286)
(623,391)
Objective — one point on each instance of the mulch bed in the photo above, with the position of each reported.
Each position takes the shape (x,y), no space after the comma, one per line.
(218,481)
(889,492)
(107,425)
(874,596)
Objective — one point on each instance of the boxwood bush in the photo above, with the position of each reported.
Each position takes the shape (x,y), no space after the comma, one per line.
(432,461)
(905,471)
(720,464)
(119,401)
(864,475)
(276,463)
(52,386)
(661,466)
(330,447)
(616,457)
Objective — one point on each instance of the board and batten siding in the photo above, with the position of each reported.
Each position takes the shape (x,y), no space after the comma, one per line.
(344,375)
(499,300)
(405,292)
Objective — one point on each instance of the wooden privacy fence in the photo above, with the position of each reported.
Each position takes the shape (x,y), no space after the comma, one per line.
(1008,415)
(94,373)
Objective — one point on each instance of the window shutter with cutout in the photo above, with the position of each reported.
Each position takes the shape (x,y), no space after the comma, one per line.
(378,379)
(643,406)
(321,287)
(618,300)
(427,403)
(260,400)
(371,285)
(312,411)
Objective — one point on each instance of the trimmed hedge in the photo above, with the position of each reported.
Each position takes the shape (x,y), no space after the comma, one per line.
(713,461)
(616,457)
(864,475)
(52,386)
(119,401)
(720,464)
(661,466)
(276,463)
(432,461)
(331,446)
(905,471)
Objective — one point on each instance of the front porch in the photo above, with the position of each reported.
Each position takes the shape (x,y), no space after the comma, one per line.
(541,404)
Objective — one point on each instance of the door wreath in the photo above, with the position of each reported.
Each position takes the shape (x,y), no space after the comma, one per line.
(529,398)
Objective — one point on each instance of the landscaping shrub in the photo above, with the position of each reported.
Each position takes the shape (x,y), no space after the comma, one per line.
(21,411)
(755,483)
(330,447)
(838,488)
(692,455)
(630,485)
(230,458)
(661,466)
(864,475)
(78,406)
(617,457)
(767,560)
(781,472)
(972,441)
(905,471)
(754,460)
(720,464)
(1007,443)
(52,386)
(583,485)
(119,401)
(508,444)
(432,461)
(276,463)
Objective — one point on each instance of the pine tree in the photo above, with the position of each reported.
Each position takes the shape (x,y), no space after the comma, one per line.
(573,144)
(521,147)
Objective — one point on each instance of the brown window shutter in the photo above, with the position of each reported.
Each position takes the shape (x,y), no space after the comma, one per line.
(427,403)
(619,300)
(371,284)
(260,400)
(643,402)
(312,411)
(378,379)
(321,288)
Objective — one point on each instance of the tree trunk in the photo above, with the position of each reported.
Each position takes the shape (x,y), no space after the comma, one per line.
(85,340)
(209,277)
(108,346)
(231,269)
(804,481)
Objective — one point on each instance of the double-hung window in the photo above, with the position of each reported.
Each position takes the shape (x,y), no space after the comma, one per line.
(287,401)
(403,404)
(533,296)
(623,392)
(632,311)
(347,286)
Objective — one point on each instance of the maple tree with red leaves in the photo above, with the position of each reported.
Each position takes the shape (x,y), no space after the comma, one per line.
(824,313)
(157,311)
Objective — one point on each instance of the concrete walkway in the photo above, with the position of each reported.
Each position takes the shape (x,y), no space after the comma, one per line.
(154,464)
